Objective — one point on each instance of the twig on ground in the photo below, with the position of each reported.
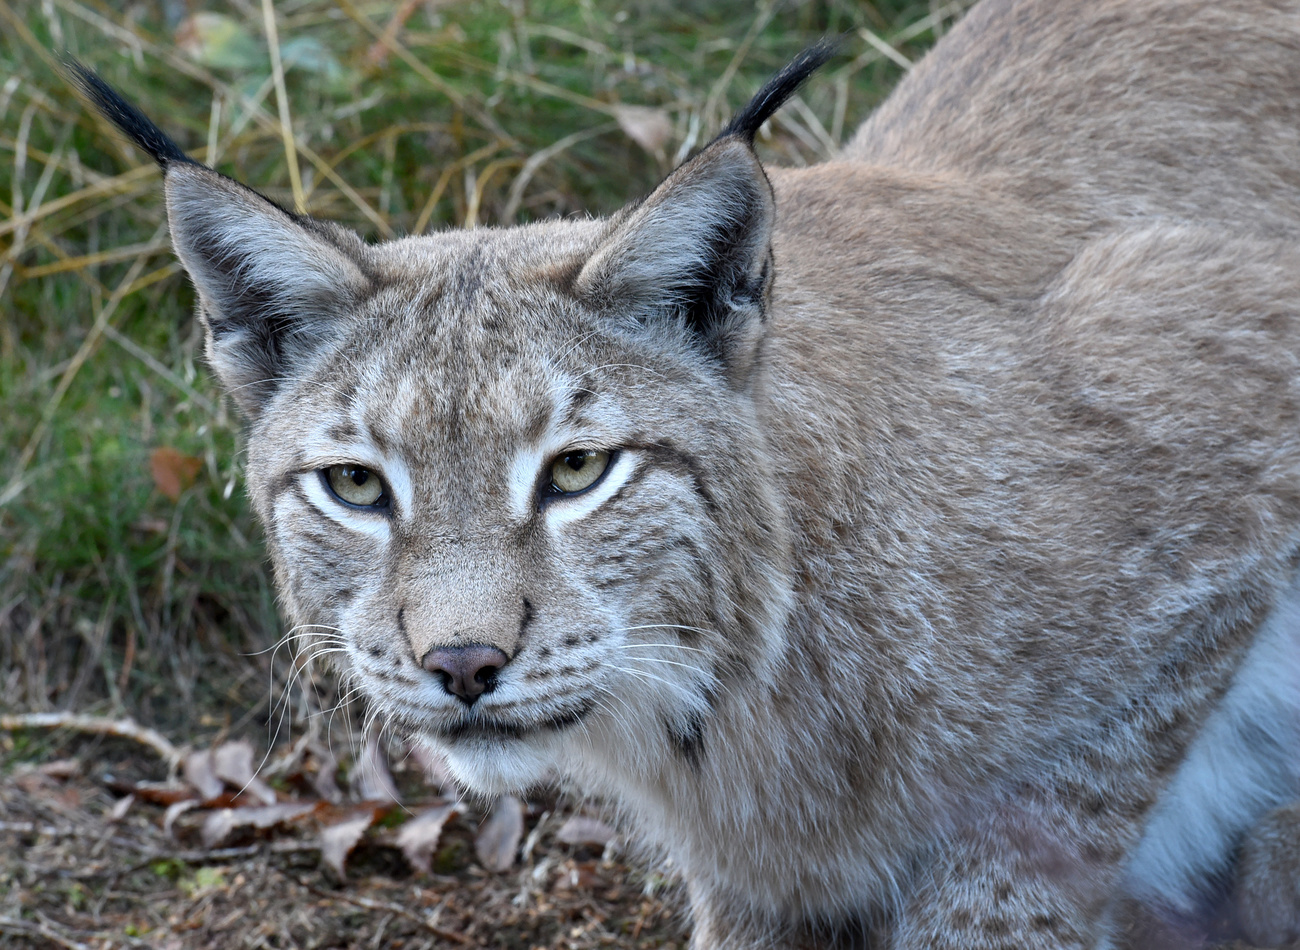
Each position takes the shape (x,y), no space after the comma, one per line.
(367,903)
(97,725)
(27,928)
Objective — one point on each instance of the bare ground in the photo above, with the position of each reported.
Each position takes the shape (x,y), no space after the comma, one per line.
(74,875)
(96,853)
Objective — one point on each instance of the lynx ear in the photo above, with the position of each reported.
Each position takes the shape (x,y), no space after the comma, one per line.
(272,286)
(694,257)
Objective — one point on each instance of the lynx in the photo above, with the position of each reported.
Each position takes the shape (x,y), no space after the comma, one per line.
(907,545)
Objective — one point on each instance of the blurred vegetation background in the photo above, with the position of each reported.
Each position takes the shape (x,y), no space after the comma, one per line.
(132,577)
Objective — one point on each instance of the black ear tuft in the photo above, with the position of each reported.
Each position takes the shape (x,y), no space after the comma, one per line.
(778,89)
(134,123)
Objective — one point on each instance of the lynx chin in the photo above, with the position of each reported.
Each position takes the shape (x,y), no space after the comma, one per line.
(908,546)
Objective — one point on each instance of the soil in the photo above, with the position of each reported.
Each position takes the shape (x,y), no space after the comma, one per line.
(73,874)
(93,858)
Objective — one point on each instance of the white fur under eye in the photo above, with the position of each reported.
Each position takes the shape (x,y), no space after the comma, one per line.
(372,523)
(561,509)
(322,452)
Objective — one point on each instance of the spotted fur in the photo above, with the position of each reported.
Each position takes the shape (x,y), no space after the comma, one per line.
(948,543)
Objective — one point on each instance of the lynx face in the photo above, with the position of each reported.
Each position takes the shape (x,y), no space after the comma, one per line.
(513,481)
(477,460)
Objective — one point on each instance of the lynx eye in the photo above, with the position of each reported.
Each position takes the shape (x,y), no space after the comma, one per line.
(355,485)
(575,471)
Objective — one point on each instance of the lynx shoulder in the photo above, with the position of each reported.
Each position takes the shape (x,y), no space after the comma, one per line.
(905,544)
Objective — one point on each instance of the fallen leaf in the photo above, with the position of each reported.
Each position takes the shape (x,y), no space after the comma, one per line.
(310,55)
(199,769)
(418,838)
(61,768)
(219,824)
(338,840)
(173,472)
(233,764)
(649,127)
(371,779)
(578,877)
(498,837)
(324,779)
(174,811)
(581,830)
(206,880)
(120,808)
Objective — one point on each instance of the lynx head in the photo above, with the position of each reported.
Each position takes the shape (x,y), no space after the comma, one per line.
(512,480)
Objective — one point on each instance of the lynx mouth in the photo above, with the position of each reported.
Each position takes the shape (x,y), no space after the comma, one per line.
(486,727)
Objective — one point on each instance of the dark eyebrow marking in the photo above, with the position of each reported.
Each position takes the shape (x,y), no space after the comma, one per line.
(670,457)
(577,397)
(342,432)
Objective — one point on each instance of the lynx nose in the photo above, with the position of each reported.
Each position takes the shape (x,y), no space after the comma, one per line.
(467,672)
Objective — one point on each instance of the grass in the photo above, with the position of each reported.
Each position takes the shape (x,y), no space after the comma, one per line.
(393,118)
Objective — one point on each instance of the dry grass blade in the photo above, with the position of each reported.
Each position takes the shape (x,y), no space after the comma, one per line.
(282,104)
(85,261)
(423,71)
(431,203)
(117,185)
(125,287)
(884,48)
(536,161)
(719,89)
(148,359)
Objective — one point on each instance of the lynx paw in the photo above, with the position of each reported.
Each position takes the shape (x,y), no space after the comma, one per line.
(1268,879)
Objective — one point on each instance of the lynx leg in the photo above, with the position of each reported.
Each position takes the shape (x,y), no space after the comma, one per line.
(1028,879)
(1268,879)
(721,924)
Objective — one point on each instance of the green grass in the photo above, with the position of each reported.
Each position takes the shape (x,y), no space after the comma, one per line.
(115,597)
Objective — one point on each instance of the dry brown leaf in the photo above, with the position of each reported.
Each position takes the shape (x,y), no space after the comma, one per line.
(578,877)
(338,840)
(157,793)
(173,472)
(371,779)
(174,811)
(220,823)
(649,127)
(120,808)
(418,838)
(233,764)
(498,837)
(324,779)
(581,830)
(61,768)
(199,769)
